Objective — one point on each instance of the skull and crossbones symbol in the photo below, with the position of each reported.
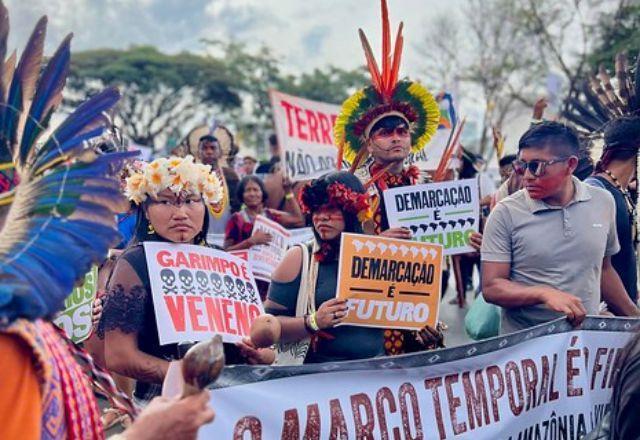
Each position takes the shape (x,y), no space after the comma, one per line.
(216,283)
(230,287)
(186,278)
(253,297)
(203,283)
(168,279)
(242,290)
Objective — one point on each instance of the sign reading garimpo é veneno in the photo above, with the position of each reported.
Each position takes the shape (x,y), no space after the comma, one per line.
(445,213)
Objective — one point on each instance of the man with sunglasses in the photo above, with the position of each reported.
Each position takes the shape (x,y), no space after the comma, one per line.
(547,249)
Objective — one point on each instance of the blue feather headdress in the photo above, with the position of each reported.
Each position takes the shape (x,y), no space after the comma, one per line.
(63,195)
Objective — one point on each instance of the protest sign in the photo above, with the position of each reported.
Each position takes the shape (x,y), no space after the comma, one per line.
(389,283)
(198,291)
(305,134)
(429,157)
(446,213)
(75,319)
(300,235)
(551,381)
(265,258)
(216,239)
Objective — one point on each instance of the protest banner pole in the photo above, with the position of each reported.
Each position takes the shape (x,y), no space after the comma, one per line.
(272,99)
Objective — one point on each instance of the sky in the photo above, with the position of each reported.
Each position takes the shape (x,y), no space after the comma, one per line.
(304,34)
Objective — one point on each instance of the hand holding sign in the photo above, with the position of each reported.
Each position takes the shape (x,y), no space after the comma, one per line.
(386,283)
(260,237)
(331,313)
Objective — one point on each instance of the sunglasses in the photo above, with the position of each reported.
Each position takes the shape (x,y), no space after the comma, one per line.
(400,131)
(536,167)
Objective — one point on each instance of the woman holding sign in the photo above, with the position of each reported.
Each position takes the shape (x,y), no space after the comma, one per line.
(239,232)
(171,196)
(334,204)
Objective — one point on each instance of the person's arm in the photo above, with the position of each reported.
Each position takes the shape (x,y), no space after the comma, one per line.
(292,217)
(260,237)
(123,319)
(614,293)
(232,231)
(329,314)
(499,289)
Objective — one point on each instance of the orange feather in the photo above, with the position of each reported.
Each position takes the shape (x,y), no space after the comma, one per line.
(386,48)
(376,80)
(397,55)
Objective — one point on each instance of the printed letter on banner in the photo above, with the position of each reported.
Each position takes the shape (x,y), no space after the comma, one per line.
(445,213)
(199,291)
(305,133)
(266,257)
(389,283)
(552,381)
(75,319)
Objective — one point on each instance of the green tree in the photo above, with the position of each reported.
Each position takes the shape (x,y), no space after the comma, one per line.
(162,93)
(618,31)
(259,70)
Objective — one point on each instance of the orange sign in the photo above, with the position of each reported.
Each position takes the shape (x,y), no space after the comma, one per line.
(390,283)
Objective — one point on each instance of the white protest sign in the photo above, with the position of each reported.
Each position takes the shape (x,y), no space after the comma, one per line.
(300,235)
(216,239)
(549,382)
(445,213)
(198,291)
(429,157)
(265,258)
(305,134)
(75,319)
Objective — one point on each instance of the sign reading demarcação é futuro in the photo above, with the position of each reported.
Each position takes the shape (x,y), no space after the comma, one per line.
(445,213)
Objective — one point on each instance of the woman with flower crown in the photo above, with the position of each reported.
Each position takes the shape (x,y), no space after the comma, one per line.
(171,197)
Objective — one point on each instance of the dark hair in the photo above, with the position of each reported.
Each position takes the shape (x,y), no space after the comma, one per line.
(389,122)
(207,138)
(468,169)
(561,139)
(507,160)
(243,184)
(141,232)
(621,139)
(273,140)
(315,195)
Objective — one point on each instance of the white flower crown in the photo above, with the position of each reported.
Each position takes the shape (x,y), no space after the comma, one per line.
(180,175)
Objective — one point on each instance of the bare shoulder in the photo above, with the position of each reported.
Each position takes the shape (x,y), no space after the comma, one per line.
(289,267)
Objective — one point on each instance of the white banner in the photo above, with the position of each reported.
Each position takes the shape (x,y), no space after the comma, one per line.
(265,258)
(429,157)
(445,213)
(548,382)
(305,134)
(198,291)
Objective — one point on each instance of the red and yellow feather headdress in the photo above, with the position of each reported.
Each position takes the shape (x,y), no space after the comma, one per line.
(386,96)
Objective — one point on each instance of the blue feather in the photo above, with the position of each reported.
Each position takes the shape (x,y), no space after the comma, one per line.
(48,92)
(84,115)
(42,157)
(23,82)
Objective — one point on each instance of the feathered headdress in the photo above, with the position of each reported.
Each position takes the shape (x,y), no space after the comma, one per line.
(340,190)
(602,101)
(63,195)
(386,96)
